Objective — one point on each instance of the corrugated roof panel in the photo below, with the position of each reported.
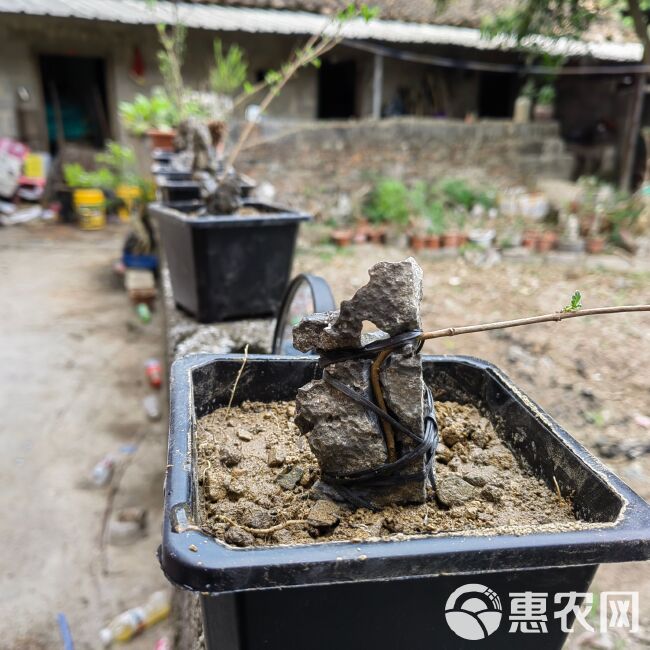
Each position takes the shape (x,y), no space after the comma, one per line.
(271,21)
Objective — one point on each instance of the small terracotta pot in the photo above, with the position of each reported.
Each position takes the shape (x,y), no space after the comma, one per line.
(162,139)
(360,237)
(376,236)
(463,238)
(546,242)
(595,245)
(451,240)
(530,239)
(342,237)
(432,242)
(417,242)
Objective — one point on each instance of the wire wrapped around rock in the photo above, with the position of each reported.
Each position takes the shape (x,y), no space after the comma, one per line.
(386,474)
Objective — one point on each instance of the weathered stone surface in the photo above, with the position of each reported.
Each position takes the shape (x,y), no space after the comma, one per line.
(391,301)
(453,491)
(288,480)
(275,457)
(342,433)
(308,333)
(492,493)
(402,383)
(237,536)
(324,514)
(480,476)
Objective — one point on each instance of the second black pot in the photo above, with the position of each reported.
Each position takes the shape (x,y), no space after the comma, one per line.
(224,267)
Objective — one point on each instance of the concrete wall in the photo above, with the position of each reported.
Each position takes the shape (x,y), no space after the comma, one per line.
(313,164)
(23,39)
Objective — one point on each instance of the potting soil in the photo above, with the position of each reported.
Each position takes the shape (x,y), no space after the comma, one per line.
(259,484)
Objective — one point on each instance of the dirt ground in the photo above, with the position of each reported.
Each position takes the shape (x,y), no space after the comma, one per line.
(71,371)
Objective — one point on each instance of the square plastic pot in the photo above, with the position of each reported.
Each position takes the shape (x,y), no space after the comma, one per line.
(389,594)
(173,191)
(224,267)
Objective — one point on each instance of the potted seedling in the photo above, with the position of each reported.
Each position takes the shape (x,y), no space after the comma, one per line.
(342,237)
(436,215)
(418,202)
(89,190)
(229,257)
(371,478)
(595,243)
(544,104)
(387,205)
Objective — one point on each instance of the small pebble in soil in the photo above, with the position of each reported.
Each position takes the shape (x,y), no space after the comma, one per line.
(288,479)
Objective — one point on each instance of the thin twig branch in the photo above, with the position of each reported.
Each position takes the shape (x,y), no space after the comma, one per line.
(471,329)
(545,318)
(234,388)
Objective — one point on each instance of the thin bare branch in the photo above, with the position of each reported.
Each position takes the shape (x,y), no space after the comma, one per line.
(545,318)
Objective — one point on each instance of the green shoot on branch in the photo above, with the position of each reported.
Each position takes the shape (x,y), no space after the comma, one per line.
(575,304)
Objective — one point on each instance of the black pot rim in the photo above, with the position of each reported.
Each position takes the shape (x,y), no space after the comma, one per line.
(278,215)
(195,560)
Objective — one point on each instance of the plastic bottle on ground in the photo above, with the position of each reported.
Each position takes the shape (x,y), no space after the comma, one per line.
(135,620)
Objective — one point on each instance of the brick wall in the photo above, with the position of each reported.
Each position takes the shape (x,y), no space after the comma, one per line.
(312,164)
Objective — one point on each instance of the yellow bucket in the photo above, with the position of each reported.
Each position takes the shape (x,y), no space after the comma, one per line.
(90,206)
(129,194)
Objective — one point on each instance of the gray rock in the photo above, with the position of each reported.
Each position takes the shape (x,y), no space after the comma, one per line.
(453,490)
(289,479)
(324,514)
(230,455)
(343,435)
(237,536)
(390,300)
(480,476)
(257,517)
(492,493)
(308,333)
(275,457)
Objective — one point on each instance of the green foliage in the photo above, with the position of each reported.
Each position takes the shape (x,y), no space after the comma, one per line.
(230,69)
(554,18)
(170,62)
(77,177)
(575,304)
(458,192)
(546,95)
(389,201)
(117,166)
(144,113)
(427,207)
(357,11)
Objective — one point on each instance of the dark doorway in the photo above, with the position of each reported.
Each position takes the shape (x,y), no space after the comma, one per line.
(337,89)
(496,94)
(74,88)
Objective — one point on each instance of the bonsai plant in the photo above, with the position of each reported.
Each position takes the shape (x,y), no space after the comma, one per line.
(217,431)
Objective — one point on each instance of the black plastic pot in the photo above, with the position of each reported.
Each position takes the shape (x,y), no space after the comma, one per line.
(165,171)
(228,266)
(175,191)
(385,595)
